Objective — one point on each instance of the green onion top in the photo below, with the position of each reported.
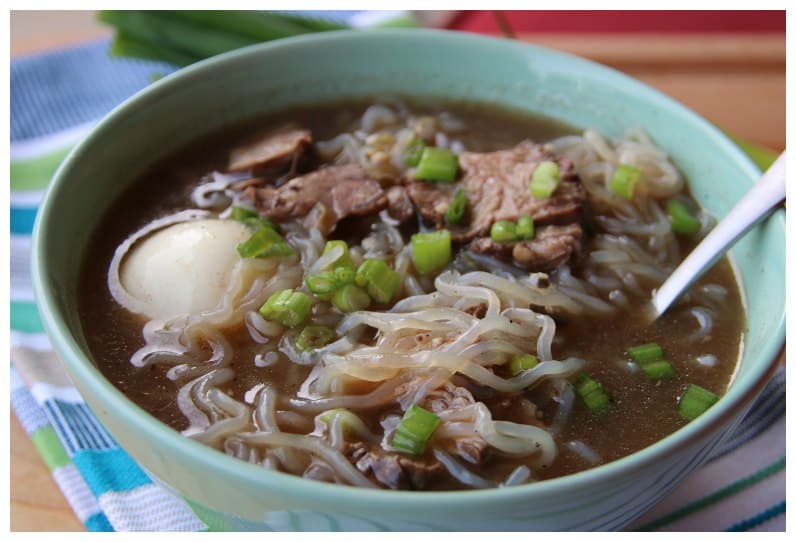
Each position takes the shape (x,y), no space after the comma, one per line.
(312,337)
(458,207)
(437,164)
(322,283)
(287,307)
(645,353)
(414,152)
(381,282)
(415,430)
(264,243)
(251,219)
(681,218)
(523,363)
(345,259)
(545,179)
(624,181)
(431,251)
(525,228)
(695,401)
(350,298)
(592,394)
(657,370)
(503,231)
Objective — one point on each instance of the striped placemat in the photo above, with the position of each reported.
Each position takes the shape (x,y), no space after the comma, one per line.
(55,99)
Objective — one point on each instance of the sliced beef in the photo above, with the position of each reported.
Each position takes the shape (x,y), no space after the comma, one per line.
(497,187)
(451,397)
(271,153)
(323,197)
(398,204)
(392,469)
(549,248)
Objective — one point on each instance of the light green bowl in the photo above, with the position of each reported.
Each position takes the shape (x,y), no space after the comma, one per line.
(427,64)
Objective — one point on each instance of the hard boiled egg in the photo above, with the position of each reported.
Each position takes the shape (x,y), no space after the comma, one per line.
(184,268)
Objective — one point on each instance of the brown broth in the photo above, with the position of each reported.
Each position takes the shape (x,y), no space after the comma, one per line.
(645,412)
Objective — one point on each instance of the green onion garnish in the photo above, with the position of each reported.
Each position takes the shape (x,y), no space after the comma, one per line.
(414,152)
(264,243)
(437,164)
(503,231)
(351,298)
(645,353)
(344,260)
(681,218)
(287,307)
(380,281)
(457,207)
(322,283)
(522,363)
(592,394)
(656,370)
(431,251)
(241,214)
(545,179)
(312,337)
(695,401)
(414,431)
(525,228)
(344,275)
(624,181)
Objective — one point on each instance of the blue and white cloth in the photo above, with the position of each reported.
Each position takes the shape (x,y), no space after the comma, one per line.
(55,99)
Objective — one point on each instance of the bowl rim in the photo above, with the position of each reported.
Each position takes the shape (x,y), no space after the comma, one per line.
(322,494)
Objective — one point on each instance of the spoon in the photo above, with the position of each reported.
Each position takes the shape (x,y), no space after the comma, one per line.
(766,194)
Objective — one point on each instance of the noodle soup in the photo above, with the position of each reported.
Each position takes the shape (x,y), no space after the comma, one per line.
(410,297)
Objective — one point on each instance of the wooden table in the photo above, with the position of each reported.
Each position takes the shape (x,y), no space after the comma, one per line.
(736,81)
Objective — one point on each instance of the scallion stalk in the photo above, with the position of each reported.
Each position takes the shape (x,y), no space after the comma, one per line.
(458,207)
(681,218)
(264,243)
(545,179)
(592,394)
(415,430)
(431,251)
(525,228)
(522,363)
(287,307)
(437,164)
(351,298)
(381,282)
(624,181)
(695,401)
(312,337)
(503,231)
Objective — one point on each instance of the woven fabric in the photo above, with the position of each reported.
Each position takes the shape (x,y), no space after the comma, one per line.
(55,99)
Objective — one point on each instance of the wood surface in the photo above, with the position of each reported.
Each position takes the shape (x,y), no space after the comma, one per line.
(736,81)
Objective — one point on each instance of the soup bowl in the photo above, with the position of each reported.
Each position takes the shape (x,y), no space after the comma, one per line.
(231,494)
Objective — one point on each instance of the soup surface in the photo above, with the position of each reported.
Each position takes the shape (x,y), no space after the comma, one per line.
(187,339)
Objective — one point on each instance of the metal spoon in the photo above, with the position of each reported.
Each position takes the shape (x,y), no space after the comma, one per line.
(756,205)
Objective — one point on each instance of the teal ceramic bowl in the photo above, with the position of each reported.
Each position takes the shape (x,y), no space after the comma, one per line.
(229,493)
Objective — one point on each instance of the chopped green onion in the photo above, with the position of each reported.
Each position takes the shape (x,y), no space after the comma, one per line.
(431,251)
(381,282)
(351,298)
(695,401)
(264,243)
(437,164)
(322,283)
(522,363)
(287,307)
(655,370)
(503,231)
(645,353)
(345,258)
(241,214)
(344,275)
(415,429)
(414,152)
(545,179)
(312,337)
(457,207)
(592,394)
(525,228)
(624,181)
(681,218)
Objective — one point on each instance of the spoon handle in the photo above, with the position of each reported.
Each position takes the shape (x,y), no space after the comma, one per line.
(751,209)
